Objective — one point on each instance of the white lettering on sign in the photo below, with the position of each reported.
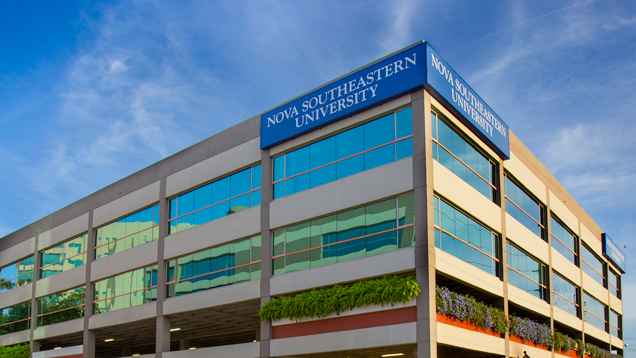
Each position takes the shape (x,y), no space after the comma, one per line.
(342,97)
(470,104)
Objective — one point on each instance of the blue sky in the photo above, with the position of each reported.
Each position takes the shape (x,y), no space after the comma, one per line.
(93,92)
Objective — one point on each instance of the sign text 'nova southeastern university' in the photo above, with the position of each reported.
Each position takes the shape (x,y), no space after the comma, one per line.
(382,81)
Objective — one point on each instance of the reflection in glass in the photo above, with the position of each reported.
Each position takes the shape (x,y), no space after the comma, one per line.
(519,201)
(465,238)
(15,318)
(313,165)
(131,231)
(526,273)
(129,289)
(63,257)
(614,284)
(615,324)
(223,197)
(592,265)
(361,232)
(61,306)
(16,274)
(565,295)
(563,241)
(219,266)
(594,312)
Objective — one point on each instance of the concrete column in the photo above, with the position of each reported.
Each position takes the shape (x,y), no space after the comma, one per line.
(266,331)
(503,251)
(89,347)
(162,343)
(424,231)
(35,347)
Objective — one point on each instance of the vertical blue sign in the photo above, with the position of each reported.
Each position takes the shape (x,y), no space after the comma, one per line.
(483,120)
(614,253)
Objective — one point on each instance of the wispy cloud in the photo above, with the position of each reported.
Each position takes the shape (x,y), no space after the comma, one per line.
(398,34)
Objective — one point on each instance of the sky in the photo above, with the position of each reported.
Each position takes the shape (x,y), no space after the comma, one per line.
(91,92)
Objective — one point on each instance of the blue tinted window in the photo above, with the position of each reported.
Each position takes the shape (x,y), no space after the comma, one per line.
(592,265)
(63,257)
(615,324)
(370,145)
(15,318)
(481,176)
(614,283)
(129,289)
(134,230)
(563,241)
(526,273)
(523,208)
(61,307)
(223,197)
(565,295)
(465,238)
(17,274)
(361,232)
(594,312)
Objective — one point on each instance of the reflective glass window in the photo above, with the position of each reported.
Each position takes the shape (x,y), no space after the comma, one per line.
(61,306)
(455,153)
(128,289)
(614,284)
(465,238)
(17,274)
(564,241)
(594,312)
(366,231)
(367,146)
(615,324)
(15,318)
(523,208)
(134,230)
(223,197)
(565,294)
(592,265)
(219,266)
(526,273)
(63,257)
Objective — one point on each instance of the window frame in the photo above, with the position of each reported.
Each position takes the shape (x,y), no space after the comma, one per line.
(577,289)
(545,271)
(603,264)
(542,207)
(41,254)
(577,246)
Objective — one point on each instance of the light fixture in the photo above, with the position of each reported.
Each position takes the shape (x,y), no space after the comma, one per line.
(254,341)
(174,329)
(109,340)
(393,355)
(136,355)
(57,348)
(192,348)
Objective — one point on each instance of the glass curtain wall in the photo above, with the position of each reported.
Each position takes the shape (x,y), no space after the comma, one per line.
(594,312)
(15,318)
(592,265)
(63,257)
(16,274)
(367,146)
(523,207)
(526,273)
(614,283)
(564,241)
(133,230)
(129,289)
(565,295)
(61,306)
(366,231)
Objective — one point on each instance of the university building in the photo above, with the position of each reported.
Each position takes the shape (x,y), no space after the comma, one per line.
(397,170)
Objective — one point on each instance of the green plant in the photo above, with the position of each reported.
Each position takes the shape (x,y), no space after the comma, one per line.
(17,351)
(466,308)
(326,301)
(597,352)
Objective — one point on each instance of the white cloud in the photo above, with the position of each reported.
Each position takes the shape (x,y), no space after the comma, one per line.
(398,34)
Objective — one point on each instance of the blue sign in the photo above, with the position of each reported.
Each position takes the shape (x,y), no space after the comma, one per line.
(614,253)
(394,76)
(375,84)
(445,81)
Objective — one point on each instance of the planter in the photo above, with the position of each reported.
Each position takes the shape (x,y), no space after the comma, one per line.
(571,354)
(528,343)
(441,318)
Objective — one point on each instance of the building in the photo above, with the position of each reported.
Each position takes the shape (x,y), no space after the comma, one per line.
(396,169)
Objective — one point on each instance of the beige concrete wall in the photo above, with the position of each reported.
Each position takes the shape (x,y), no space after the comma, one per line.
(209,298)
(469,274)
(563,213)
(244,350)
(567,319)
(128,260)
(527,240)
(17,252)
(596,332)
(463,338)
(68,230)
(528,301)
(61,281)
(524,175)
(517,349)
(59,329)
(565,268)
(616,304)
(595,289)
(126,205)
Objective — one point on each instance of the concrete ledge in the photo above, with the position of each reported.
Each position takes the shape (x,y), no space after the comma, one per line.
(517,349)
(467,339)
(346,340)
(347,271)
(595,289)
(52,353)
(127,204)
(124,261)
(526,239)
(14,338)
(562,212)
(17,252)
(526,177)
(565,268)
(61,282)
(243,350)
(596,332)
(567,319)
(59,329)
(528,301)
(244,224)
(471,275)
(123,316)
(358,189)
(68,230)
(616,304)
(15,296)
(213,297)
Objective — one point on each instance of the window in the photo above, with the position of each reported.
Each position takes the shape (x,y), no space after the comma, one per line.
(63,257)
(455,153)
(61,306)
(615,324)
(465,238)
(564,241)
(614,284)
(565,295)
(370,145)
(592,265)
(523,207)
(526,273)
(17,274)
(220,266)
(594,312)
(366,231)
(223,197)
(129,289)
(15,318)
(126,233)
